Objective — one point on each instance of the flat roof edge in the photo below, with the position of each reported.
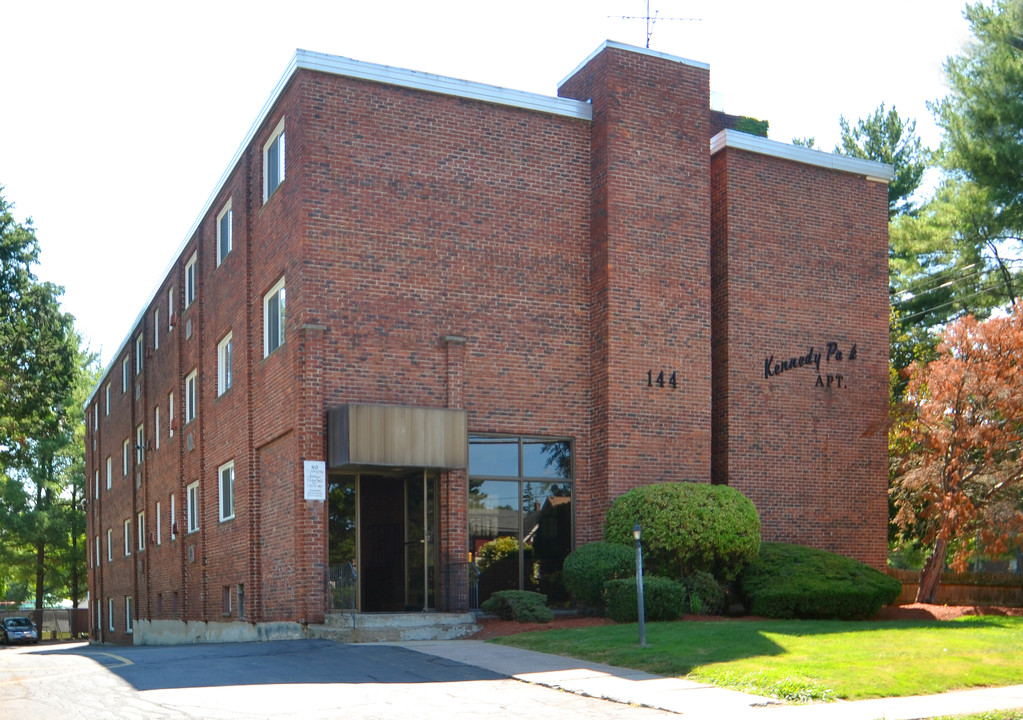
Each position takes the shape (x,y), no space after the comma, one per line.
(632,48)
(875,171)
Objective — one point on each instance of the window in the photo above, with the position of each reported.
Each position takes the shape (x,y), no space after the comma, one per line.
(138,354)
(170,309)
(126,456)
(226,473)
(273,318)
(140,444)
(521,488)
(192,506)
(110,614)
(226,599)
(110,471)
(125,365)
(224,378)
(159,530)
(95,489)
(190,396)
(110,544)
(97,551)
(156,329)
(156,427)
(127,614)
(141,523)
(170,414)
(273,161)
(190,281)
(127,537)
(173,519)
(224,222)
(107,389)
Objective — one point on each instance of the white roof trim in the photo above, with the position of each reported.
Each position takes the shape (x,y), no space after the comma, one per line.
(874,171)
(632,48)
(336,65)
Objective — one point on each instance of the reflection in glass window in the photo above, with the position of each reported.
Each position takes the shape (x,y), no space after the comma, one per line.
(547,459)
(494,457)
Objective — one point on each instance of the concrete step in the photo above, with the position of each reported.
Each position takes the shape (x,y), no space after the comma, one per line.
(394,627)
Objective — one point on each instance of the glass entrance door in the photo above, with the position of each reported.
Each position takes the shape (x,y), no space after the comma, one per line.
(389,520)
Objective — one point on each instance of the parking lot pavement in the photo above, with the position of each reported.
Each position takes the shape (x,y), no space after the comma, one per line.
(308,679)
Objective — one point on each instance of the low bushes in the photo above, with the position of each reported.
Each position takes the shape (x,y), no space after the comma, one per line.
(519,605)
(704,595)
(687,528)
(795,581)
(591,565)
(663,599)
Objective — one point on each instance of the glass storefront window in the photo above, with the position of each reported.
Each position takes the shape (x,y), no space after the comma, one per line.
(494,457)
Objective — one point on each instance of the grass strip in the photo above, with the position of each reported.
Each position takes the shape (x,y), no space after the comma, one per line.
(807,660)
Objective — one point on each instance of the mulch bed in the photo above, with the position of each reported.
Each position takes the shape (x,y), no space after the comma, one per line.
(493,627)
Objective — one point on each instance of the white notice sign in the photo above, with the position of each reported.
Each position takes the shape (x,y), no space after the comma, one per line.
(315,480)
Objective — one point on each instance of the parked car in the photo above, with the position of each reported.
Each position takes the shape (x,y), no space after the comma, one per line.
(19,630)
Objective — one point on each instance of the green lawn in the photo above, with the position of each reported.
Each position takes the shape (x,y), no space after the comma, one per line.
(805,660)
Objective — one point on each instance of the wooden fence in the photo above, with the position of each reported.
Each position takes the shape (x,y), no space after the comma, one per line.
(965,588)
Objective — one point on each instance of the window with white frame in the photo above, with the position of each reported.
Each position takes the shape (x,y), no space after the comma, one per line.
(125,377)
(224,370)
(110,544)
(192,506)
(126,456)
(226,473)
(138,353)
(140,444)
(225,601)
(107,389)
(97,551)
(190,396)
(190,285)
(170,309)
(110,471)
(273,318)
(159,528)
(156,428)
(141,524)
(224,224)
(127,615)
(156,329)
(170,414)
(95,489)
(127,537)
(110,614)
(273,161)
(173,519)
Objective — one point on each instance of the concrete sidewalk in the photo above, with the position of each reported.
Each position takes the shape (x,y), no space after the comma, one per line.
(696,700)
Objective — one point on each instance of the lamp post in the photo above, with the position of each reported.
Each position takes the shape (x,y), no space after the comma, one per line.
(637,533)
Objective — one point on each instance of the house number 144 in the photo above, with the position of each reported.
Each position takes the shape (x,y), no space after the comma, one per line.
(660,381)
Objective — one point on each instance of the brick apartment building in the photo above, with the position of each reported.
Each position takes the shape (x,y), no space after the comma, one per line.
(418,314)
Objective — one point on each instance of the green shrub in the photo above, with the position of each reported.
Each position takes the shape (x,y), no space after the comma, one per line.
(687,528)
(591,565)
(704,594)
(519,605)
(663,599)
(788,581)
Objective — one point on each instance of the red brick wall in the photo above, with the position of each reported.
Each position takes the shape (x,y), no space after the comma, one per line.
(650,274)
(800,261)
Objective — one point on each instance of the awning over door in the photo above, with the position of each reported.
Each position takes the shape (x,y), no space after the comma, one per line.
(396,436)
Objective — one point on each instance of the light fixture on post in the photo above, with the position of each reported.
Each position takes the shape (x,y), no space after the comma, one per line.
(637,533)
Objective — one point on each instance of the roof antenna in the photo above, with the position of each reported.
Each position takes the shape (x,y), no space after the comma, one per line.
(651,20)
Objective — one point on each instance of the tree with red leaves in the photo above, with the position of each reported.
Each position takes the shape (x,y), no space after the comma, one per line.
(961,467)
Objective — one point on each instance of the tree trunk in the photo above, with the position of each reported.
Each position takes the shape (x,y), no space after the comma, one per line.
(40,573)
(930,576)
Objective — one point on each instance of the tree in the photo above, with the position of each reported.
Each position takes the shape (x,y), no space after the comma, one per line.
(960,487)
(886,137)
(982,115)
(41,462)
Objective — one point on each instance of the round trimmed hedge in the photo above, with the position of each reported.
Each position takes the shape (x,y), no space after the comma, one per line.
(589,566)
(687,528)
(795,581)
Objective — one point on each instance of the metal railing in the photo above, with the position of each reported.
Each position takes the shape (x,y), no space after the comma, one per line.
(341,587)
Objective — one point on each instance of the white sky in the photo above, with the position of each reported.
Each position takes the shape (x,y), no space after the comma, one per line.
(117,119)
